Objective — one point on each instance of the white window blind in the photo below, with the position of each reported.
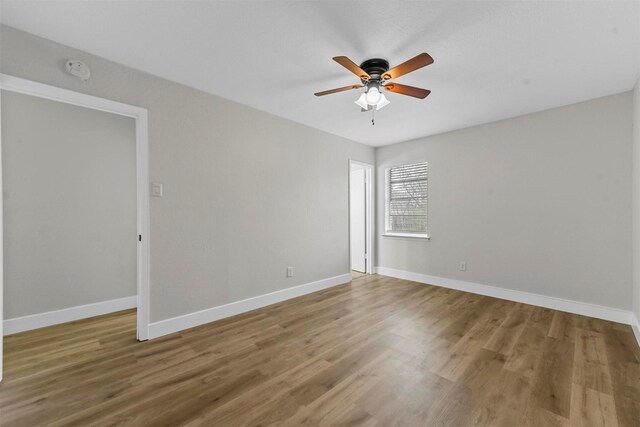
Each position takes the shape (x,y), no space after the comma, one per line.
(406,204)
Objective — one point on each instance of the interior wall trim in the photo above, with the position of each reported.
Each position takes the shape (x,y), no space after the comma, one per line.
(140,114)
(190,320)
(49,318)
(635,325)
(570,306)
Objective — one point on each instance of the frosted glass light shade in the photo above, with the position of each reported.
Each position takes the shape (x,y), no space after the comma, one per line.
(373,95)
(362,102)
(383,102)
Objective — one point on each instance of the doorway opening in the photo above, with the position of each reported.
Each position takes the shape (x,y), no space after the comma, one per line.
(65,209)
(360,218)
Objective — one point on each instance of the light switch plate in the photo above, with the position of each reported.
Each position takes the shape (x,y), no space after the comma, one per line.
(157,189)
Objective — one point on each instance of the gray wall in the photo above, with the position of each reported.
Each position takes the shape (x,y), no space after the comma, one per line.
(246,193)
(636,200)
(539,203)
(69,177)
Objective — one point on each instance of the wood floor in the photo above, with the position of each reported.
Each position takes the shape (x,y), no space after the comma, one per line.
(356,274)
(376,352)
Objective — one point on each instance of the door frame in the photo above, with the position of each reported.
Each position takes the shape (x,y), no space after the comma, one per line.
(140,115)
(369,213)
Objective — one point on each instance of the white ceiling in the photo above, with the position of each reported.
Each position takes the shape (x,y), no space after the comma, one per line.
(493,59)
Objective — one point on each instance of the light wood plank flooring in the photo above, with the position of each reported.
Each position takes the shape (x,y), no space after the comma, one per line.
(356,274)
(376,352)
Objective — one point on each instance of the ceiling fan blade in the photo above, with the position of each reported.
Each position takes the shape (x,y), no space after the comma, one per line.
(340,89)
(416,92)
(413,64)
(351,66)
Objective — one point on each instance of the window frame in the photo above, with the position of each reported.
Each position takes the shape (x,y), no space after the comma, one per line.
(400,234)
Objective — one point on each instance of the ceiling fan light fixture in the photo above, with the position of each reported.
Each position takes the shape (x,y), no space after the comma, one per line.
(362,102)
(374,75)
(373,94)
(383,102)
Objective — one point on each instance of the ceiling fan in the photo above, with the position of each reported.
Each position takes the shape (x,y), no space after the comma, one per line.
(375,76)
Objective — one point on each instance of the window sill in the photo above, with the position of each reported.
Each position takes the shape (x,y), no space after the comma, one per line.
(407,236)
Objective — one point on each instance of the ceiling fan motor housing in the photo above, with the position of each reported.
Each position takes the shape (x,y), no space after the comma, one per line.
(376,68)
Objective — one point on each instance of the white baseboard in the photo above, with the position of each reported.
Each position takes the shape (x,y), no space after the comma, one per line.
(40,320)
(570,306)
(635,325)
(186,321)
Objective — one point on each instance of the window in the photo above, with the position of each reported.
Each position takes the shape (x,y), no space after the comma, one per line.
(406,200)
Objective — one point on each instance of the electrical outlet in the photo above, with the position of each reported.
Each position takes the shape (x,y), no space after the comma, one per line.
(157,189)
(289,271)
(463,266)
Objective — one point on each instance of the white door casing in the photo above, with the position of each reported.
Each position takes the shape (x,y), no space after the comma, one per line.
(357,213)
(28,87)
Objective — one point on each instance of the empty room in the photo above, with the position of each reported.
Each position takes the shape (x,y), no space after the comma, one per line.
(320,213)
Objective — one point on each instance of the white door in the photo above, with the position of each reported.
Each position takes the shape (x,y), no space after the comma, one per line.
(358,222)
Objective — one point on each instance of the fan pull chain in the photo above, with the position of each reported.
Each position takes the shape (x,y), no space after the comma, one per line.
(373,116)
